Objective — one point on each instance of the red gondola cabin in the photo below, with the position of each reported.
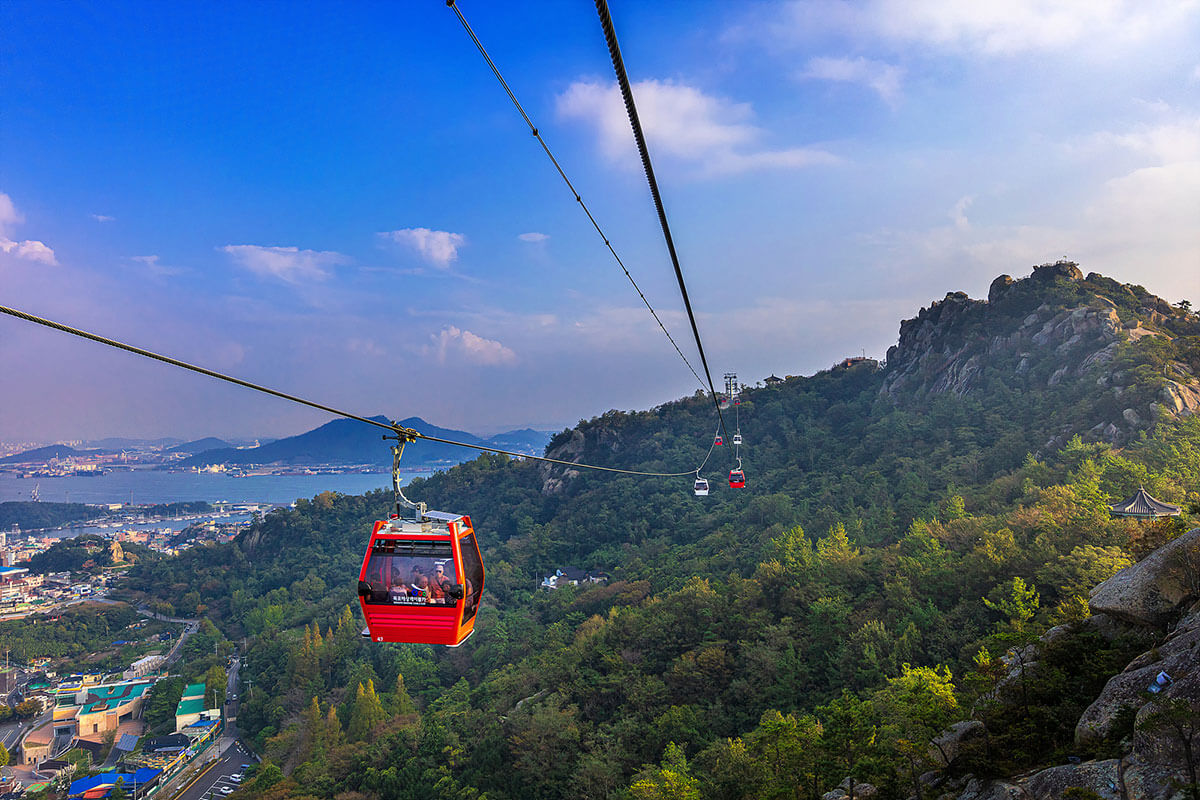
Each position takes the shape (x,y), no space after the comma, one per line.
(737,479)
(421,580)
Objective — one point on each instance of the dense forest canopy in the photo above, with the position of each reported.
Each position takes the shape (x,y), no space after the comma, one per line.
(903,528)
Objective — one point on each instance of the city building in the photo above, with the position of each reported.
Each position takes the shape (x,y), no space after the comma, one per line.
(191,708)
(143,666)
(570,576)
(92,711)
(36,746)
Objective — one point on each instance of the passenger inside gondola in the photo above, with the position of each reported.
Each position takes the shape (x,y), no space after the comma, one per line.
(439,584)
(419,583)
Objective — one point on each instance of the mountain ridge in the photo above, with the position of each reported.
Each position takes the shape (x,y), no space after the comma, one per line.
(346,441)
(890,556)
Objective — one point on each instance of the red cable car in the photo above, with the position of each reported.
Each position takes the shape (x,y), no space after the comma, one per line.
(717,442)
(421,580)
(737,479)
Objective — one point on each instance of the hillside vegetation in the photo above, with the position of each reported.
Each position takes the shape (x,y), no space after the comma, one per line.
(903,527)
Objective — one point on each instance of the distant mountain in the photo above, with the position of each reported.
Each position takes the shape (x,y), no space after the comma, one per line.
(200,446)
(346,441)
(43,454)
(525,440)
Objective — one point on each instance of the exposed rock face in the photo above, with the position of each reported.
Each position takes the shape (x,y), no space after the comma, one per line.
(951,346)
(949,744)
(998,287)
(865,791)
(1178,656)
(1180,399)
(931,357)
(1060,269)
(555,478)
(1152,590)
(1102,777)
(1144,597)
(992,790)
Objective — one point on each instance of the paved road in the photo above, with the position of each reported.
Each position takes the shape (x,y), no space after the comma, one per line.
(11,733)
(209,786)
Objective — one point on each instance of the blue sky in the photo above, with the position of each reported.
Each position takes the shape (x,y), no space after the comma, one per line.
(337,200)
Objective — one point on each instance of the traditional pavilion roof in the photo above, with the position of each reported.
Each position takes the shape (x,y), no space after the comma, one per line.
(1143,505)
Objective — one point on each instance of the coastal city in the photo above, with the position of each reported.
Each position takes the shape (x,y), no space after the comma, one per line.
(95,721)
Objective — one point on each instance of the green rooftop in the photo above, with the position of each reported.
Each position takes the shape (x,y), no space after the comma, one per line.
(194,690)
(193,706)
(106,698)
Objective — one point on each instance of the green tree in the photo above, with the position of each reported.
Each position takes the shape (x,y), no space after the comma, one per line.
(366,713)
(1017,600)
(402,703)
(671,780)
(118,791)
(785,752)
(916,706)
(4,756)
(28,709)
(266,776)
(847,738)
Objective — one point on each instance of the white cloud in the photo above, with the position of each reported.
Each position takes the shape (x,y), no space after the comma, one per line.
(879,76)
(30,250)
(453,344)
(1148,218)
(1007,28)
(155,266)
(680,122)
(439,248)
(9,216)
(1166,143)
(27,250)
(533,237)
(102,218)
(959,214)
(289,264)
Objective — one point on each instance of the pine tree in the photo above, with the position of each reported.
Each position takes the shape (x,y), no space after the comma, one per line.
(333,730)
(313,729)
(365,713)
(402,703)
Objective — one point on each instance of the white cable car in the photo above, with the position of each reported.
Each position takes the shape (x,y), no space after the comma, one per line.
(701,487)
(737,438)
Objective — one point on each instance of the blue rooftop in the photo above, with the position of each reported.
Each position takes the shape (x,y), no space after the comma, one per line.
(109,780)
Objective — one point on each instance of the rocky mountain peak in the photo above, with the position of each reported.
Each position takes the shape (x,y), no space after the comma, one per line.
(1054,328)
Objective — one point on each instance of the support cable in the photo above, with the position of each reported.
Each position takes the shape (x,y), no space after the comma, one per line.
(614,51)
(407,433)
(452,4)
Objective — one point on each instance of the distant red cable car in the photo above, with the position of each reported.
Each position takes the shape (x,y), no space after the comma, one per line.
(717,442)
(737,479)
(421,580)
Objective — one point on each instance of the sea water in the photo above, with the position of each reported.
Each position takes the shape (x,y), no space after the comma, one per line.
(157,486)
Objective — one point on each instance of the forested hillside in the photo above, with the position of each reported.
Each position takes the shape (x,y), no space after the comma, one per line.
(903,527)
